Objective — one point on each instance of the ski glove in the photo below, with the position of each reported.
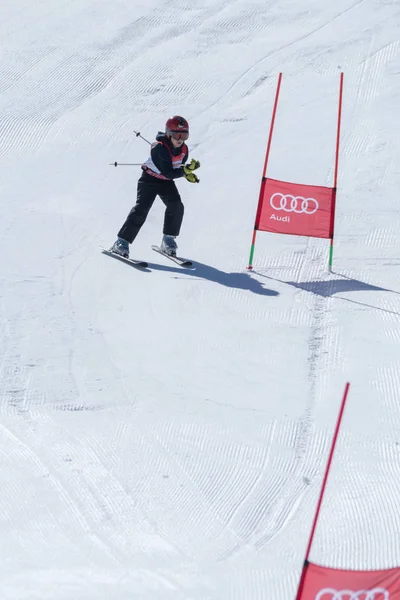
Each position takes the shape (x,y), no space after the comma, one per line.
(193,165)
(190,176)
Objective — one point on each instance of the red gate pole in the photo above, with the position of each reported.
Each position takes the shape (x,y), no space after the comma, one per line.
(336,169)
(261,195)
(321,496)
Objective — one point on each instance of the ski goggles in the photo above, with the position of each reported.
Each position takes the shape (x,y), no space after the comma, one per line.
(177,135)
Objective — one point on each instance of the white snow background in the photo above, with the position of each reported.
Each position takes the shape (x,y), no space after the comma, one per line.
(164,434)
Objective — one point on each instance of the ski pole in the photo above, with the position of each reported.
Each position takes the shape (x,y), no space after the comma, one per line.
(138,134)
(117,164)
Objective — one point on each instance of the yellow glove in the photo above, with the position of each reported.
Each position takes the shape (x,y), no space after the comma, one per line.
(190,176)
(193,165)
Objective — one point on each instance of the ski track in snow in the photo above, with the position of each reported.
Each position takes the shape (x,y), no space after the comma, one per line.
(172,443)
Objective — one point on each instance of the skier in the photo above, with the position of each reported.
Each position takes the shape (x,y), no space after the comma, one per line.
(166,162)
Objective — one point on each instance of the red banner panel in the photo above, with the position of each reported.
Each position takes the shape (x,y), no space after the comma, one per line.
(296,209)
(321,583)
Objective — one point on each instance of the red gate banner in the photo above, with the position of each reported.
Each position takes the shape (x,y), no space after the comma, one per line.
(322,583)
(296,209)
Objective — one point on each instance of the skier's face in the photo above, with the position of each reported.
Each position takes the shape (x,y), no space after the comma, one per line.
(176,143)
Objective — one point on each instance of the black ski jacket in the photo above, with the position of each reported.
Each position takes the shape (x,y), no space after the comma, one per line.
(163,154)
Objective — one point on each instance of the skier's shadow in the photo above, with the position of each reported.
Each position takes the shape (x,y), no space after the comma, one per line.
(240,281)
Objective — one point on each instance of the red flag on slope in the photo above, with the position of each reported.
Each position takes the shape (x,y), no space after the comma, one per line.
(296,209)
(322,583)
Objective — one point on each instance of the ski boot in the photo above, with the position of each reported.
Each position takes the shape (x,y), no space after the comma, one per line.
(121,247)
(168,245)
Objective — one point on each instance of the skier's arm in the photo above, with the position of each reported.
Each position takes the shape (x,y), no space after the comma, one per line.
(162,159)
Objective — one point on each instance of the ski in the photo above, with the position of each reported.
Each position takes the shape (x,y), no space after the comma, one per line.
(182,262)
(140,264)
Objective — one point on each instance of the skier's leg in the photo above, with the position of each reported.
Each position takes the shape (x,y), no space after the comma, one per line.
(174,209)
(146,194)
(173,217)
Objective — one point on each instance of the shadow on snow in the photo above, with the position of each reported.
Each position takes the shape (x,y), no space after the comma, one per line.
(240,281)
(329,288)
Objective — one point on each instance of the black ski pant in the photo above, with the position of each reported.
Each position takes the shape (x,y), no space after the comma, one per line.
(148,188)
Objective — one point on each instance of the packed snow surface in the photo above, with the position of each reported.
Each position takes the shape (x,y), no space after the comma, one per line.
(164,433)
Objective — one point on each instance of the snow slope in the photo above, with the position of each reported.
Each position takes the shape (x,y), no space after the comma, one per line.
(164,434)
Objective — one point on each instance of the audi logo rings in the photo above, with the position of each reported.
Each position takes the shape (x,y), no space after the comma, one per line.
(296,204)
(330,594)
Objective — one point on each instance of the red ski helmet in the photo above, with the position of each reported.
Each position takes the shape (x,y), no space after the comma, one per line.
(177,127)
